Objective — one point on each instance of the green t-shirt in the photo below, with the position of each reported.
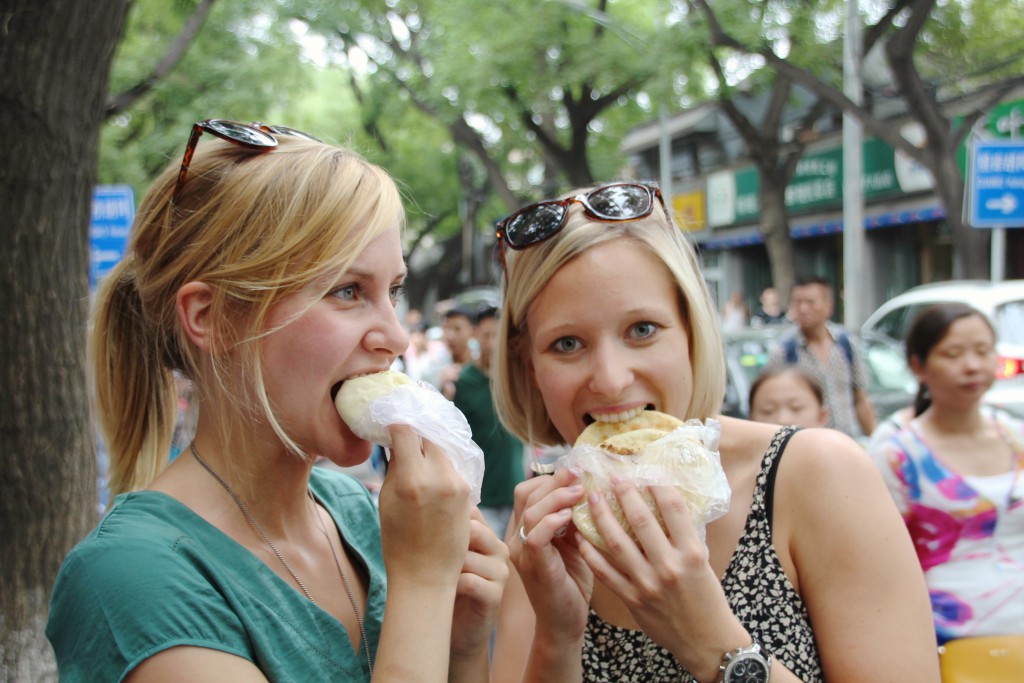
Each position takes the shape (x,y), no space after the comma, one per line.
(154,575)
(503,452)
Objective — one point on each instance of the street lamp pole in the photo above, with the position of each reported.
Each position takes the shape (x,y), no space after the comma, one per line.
(664,154)
(856,279)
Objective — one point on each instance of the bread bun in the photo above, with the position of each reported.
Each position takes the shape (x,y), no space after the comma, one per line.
(629,445)
(354,399)
(596,432)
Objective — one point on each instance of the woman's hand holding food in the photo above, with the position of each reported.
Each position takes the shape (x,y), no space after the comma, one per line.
(556,578)
(424,522)
(424,503)
(665,579)
(424,514)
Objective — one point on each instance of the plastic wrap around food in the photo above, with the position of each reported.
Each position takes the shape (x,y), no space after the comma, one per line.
(686,457)
(399,400)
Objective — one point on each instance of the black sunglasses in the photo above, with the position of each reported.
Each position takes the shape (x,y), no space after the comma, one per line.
(610,203)
(257,136)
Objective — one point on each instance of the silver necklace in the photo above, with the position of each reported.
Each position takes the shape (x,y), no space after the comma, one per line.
(323,528)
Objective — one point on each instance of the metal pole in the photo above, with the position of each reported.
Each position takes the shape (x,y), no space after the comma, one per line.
(998,254)
(664,156)
(855,282)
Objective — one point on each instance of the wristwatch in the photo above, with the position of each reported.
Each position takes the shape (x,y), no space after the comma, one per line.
(746,665)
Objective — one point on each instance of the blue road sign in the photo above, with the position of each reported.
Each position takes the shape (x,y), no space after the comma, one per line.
(113,210)
(996,184)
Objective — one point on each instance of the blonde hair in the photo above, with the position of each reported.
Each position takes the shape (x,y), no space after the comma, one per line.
(518,401)
(256,227)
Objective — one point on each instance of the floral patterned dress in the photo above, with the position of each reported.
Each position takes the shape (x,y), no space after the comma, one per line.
(758,590)
(968,531)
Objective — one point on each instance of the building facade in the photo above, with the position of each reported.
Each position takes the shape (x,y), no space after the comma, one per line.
(714,193)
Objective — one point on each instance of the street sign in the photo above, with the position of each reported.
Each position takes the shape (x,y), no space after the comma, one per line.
(996,184)
(113,210)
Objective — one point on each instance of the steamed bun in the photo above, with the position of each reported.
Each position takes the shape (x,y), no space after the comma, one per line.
(647,446)
(354,399)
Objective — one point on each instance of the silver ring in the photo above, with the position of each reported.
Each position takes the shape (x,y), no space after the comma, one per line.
(522,535)
(539,468)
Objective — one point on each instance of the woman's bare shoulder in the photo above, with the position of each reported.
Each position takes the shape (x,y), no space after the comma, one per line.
(827,453)
(810,452)
(744,438)
(825,480)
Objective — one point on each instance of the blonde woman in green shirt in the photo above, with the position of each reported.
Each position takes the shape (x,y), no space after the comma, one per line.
(266,269)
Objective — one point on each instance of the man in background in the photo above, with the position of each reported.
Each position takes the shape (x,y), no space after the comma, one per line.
(457,333)
(503,453)
(829,353)
(770,311)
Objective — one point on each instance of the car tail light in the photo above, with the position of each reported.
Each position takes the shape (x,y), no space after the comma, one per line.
(1009,367)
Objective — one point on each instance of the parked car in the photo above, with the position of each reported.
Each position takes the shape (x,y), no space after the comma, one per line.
(1002,302)
(891,385)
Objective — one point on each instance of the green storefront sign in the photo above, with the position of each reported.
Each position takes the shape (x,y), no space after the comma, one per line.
(1003,121)
(818,181)
(817,184)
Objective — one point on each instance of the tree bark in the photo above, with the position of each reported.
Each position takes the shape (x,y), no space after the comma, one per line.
(970,246)
(776,163)
(55,58)
(774,227)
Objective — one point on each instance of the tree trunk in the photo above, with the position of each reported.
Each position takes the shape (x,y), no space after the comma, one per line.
(971,254)
(775,230)
(55,59)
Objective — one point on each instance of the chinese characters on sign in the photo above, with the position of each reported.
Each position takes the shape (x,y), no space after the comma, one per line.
(113,210)
(996,184)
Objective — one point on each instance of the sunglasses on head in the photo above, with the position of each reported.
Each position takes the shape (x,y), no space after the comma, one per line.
(256,136)
(609,203)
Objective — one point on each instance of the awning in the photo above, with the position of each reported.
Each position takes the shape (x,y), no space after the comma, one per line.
(744,237)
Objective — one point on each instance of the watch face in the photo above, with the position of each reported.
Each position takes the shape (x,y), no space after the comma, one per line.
(747,668)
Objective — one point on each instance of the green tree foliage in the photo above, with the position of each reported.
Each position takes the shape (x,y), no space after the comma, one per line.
(529,86)
(538,93)
(244,64)
(970,43)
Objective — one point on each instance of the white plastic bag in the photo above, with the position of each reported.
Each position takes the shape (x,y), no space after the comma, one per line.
(437,420)
(687,458)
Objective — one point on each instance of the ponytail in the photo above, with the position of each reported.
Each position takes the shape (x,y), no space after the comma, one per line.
(923,400)
(135,393)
